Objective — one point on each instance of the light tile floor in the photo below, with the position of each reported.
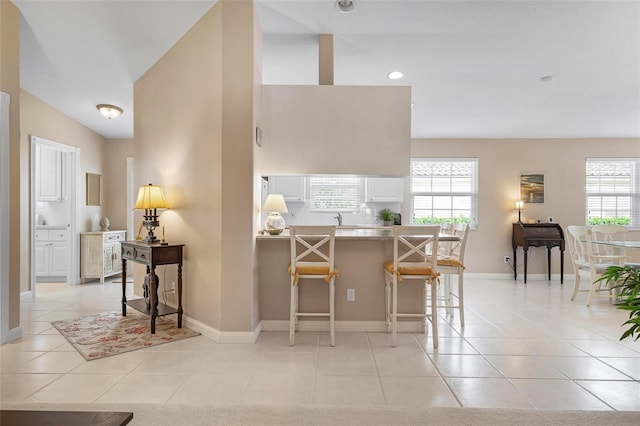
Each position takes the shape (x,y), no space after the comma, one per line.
(523,347)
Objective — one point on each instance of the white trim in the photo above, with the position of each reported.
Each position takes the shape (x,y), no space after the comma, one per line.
(222,336)
(509,276)
(6,335)
(343,326)
(25,295)
(130,197)
(15,334)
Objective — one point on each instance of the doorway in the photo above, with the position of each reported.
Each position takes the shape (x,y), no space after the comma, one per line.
(54,212)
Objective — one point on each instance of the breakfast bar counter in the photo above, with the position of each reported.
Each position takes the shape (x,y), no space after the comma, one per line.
(360,254)
(347,233)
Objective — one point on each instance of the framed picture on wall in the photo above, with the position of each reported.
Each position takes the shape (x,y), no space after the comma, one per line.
(94,186)
(532,187)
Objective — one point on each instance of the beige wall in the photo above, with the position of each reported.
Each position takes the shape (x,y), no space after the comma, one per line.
(360,130)
(114,183)
(10,83)
(500,163)
(194,136)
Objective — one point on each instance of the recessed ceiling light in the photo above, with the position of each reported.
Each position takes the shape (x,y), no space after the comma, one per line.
(546,78)
(345,6)
(395,75)
(109,111)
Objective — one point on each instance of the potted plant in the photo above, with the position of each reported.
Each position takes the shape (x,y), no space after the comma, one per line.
(386,216)
(627,280)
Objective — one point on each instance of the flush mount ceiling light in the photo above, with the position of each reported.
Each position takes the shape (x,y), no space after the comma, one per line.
(109,111)
(395,75)
(345,6)
(546,78)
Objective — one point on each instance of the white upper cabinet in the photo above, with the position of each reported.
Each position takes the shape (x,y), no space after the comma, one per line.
(291,187)
(50,173)
(385,190)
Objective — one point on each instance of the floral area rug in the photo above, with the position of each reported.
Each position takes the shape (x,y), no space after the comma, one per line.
(101,335)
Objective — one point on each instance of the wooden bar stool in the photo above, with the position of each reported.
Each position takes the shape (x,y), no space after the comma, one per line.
(312,257)
(414,258)
(451,262)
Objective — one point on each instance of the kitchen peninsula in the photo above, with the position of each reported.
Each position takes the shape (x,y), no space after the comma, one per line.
(360,253)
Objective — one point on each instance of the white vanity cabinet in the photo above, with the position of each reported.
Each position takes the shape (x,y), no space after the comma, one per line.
(385,190)
(100,254)
(51,251)
(291,187)
(50,181)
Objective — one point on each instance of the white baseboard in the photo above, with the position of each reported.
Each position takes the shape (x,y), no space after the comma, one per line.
(509,276)
(26,294)
(222,336)
(342,326)
(13,334)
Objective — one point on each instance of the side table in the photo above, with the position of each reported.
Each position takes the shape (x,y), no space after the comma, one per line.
(152,255)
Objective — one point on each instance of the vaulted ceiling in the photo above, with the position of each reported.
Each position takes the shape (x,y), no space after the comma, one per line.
(475,67)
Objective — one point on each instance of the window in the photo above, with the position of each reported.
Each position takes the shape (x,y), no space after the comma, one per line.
(613,191)
(335,193)
(444,190)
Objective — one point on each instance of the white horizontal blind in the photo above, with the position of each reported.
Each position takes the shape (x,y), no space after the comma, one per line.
(335,193)
(613,191)
(444,190)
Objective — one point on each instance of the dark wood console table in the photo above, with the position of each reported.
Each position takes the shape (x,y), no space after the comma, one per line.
(547,235)
(152,255)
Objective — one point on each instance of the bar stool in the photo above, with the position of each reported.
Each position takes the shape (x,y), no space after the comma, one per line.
(452,263)
(414,258)
(312,257)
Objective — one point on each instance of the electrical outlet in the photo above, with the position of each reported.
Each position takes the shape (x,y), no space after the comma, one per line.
(172,288)
(507,259)
(351,295)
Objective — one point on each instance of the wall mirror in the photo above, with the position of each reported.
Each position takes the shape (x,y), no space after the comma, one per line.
(94,183)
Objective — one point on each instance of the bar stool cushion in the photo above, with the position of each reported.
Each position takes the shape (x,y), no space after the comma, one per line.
(314,270)
(449,261)
(412,269)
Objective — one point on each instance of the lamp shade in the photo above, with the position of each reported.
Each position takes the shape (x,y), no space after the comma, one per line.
(519,205)
(151,197)
(275,203)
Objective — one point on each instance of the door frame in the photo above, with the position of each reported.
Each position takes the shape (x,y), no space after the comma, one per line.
(5,103)
(72,186)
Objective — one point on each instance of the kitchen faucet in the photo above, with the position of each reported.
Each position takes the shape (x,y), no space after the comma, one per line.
(339,217)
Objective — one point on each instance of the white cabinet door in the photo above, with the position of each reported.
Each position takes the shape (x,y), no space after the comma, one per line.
(291,187)
(112,258)
(49,168)
(385,190)
(42,259)
(58,256)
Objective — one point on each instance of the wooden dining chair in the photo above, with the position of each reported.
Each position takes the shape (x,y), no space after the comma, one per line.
(588,262)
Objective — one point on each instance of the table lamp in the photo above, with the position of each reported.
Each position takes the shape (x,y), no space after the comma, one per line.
(275,205)
(519,207)
(150,198)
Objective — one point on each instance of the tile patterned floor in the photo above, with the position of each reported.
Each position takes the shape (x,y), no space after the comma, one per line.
(522,347)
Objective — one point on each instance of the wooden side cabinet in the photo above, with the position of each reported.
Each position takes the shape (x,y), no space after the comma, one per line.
(100,254)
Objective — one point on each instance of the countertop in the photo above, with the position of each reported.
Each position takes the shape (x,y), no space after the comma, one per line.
(355,233)
(378,233)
